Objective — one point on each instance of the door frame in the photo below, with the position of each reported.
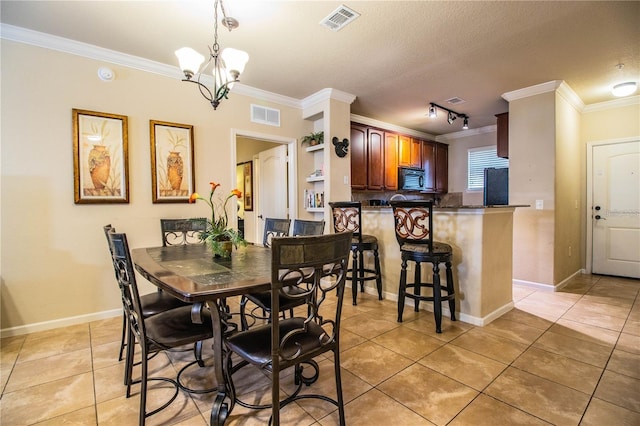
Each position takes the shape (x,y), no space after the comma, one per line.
(292,167)
(589,203)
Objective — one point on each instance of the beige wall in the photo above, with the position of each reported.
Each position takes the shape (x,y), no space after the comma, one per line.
(54,255)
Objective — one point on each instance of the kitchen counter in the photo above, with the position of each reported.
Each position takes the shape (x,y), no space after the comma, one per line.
(482,242)
(436,208)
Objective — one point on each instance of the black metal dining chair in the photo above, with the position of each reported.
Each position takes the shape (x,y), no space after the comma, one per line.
(151,304)
(414,232)
(182,231)
(347,216)
(262,300)
(170,329)
(305,269)
(307,227)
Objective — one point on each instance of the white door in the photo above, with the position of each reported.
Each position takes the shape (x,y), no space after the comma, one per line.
(272,196)
(616,209)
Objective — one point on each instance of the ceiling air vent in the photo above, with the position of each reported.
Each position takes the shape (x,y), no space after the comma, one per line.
(339,18)
(264,115)
(455,100)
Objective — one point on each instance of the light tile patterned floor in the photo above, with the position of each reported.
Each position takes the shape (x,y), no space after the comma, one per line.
(566,358)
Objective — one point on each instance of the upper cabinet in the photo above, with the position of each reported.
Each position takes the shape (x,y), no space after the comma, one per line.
(502,147)
(375,159)
(442,168)
(435,162)
(409,152)
(359,142)
(390,161)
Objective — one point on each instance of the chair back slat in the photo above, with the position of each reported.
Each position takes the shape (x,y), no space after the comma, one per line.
(275,228)
(413,222)
(347,217)
(308,227)
(182,231)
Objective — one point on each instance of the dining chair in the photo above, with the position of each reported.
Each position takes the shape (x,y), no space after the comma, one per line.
(152,303)
(307,227)
(315,267)
(272,228)
(347,216)
(166,330)
(182,231)
(414,232)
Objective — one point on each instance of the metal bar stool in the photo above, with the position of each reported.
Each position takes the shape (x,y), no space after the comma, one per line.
(414,232)
(347,217)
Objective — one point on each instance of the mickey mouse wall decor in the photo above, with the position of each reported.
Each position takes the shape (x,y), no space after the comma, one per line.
(342,147)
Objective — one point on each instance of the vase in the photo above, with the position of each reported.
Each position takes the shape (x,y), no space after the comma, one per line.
(175,169)
(99,165)
(224,250)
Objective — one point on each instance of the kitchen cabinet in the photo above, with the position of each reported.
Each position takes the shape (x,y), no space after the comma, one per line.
(502,145)
(409,152)
(442,168)
(390,161)
(429,165)
(375,159)
(358,157)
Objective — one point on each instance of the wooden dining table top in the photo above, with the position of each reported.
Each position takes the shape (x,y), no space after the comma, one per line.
(192,274)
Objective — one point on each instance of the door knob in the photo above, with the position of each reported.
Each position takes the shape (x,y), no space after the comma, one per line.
(597,208)
(598,217)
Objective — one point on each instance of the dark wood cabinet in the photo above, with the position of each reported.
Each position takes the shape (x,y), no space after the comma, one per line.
(502,145)
(429,165)
(390,161)
(358,156)
(375,159)
(442,168)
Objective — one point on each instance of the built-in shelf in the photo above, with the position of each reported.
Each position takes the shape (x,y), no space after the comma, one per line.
(315,209)
(315,179)
(315,147)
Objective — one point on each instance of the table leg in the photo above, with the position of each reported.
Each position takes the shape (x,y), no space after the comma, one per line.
(220,409)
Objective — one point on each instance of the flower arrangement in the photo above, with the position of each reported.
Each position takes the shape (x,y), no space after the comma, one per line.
(217,232)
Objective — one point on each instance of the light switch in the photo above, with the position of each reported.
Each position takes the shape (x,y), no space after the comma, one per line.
(539,204)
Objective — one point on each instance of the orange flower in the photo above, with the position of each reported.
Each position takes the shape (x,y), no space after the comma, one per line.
(193,197)
(214,185)
(237,193)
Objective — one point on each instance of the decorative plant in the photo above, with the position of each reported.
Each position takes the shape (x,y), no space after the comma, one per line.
(314,138)
(217,231)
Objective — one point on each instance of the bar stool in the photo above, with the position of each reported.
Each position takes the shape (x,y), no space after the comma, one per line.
(347,217)
(414,232)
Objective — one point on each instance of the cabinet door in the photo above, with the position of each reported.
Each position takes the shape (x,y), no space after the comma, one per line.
(502,143)
(390,161)
(429,165)
(375,159)
(358,150)
(442,167)
(416,153)
(404,151)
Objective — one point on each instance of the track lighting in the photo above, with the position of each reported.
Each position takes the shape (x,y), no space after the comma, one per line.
(451,115)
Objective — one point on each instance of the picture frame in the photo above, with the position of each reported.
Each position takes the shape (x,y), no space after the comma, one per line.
(172,162)
(247,193)
(100,157)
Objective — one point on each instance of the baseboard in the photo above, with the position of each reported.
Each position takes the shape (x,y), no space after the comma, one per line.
(548,287)
(62,322)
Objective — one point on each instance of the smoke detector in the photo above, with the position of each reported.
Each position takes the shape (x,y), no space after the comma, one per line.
(339,18)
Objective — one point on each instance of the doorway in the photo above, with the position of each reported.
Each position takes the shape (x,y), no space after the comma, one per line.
(613,207)
(247,147)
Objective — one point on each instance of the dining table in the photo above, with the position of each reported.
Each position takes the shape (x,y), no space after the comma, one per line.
(193,274)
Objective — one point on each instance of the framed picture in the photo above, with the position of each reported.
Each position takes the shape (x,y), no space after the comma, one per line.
(100,157)
(247,172)
(172,163)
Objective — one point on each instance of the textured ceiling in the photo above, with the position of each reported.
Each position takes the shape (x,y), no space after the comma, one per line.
(396,57)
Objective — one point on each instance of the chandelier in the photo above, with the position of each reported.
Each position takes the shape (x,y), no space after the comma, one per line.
(227,64)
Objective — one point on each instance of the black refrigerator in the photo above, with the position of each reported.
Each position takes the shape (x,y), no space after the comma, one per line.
(496,187)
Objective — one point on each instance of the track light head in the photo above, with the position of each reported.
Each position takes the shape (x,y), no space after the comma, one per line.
(465,124)
(433,113)
(450,117)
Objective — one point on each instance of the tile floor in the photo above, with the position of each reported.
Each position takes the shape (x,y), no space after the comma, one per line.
(566,358)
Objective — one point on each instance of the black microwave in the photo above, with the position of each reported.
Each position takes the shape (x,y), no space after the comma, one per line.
(410,178)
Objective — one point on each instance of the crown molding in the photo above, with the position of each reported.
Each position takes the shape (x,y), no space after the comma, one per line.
(326,94)
(48,41)
(615,103)
(526,92)
(388,126)
(466,133)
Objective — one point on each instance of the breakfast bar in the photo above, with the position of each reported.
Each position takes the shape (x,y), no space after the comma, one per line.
(482,242)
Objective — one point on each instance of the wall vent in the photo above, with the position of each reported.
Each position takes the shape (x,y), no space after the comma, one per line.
(455,100)
(264,115)
(339,18)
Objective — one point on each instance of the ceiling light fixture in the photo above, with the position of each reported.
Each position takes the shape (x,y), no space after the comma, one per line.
(451,115)
(624,89)
(227,65)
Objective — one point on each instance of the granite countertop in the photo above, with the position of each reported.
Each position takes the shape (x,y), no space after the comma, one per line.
(377,208)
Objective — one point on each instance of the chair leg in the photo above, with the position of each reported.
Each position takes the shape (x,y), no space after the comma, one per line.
(336,364)
(354,279)
(129,360)
(402,289)
(451,291)
(378,273)
(437,297)
(417,285)
(197,352)
(143,387)
(243,318)
(361,270)
(124,330)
